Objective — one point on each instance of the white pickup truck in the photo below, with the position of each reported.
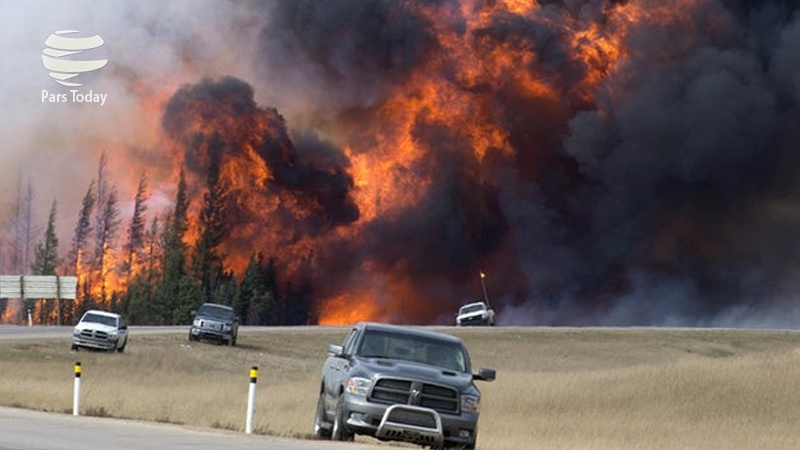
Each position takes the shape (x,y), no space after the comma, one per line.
(477,313)
(100,330)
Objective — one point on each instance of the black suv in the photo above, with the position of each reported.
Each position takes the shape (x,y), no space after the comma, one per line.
(214,322)
(400,384)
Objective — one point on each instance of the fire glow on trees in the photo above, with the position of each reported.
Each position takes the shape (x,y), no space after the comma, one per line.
(605,161)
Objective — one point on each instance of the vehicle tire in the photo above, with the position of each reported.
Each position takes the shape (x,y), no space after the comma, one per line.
(320,432)
(74,348)
(340,431)
(191,338)
(124,344)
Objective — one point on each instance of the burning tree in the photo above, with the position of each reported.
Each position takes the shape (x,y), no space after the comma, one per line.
(134,247)
(76,260)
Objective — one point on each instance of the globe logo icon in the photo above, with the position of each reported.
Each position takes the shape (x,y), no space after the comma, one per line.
(62,56)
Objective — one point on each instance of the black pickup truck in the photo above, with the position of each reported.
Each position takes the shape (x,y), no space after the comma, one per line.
(400,384)
(214,322)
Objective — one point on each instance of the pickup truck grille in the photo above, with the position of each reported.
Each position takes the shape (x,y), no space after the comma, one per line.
(210,325)
(96,334)
(407,392)
(474,320)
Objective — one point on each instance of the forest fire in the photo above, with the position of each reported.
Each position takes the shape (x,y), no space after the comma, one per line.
(601,160)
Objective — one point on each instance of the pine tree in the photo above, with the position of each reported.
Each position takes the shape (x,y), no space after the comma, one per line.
(105,229)
(136,231)
(208,264)
(76,260)
(83,229)
(177,294)
(256,300)
(106,237)
(247,290)
(101,197)
(139,305)
(46,253)
(46,262)
(226,290)
(267,304)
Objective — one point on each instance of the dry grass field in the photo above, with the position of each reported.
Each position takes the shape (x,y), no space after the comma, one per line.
(604,389)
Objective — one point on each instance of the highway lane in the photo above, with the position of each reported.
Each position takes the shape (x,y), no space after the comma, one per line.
(22,429)
(19,332)
(15,332)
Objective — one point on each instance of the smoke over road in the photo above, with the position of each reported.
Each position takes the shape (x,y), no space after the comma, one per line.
(604,162)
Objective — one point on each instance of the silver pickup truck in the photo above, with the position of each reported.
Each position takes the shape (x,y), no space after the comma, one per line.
(477,313)
(400,384)
(100,330)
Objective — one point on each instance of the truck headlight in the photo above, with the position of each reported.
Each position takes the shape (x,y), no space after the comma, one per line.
(196,323)
(226,327)
(359,386)
(470,403)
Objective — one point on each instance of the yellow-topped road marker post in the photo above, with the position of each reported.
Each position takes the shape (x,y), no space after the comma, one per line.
(251,400)
(76,396)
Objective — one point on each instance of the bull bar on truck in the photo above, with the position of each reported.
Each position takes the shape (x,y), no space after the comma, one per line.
(411,424)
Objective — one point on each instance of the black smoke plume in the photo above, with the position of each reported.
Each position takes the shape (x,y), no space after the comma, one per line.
(668,194)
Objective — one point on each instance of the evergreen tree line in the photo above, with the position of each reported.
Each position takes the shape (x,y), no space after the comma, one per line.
(155,277)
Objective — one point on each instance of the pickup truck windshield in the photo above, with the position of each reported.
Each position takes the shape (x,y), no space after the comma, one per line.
(471,308)
(215,312)
(98,318)
(447,355)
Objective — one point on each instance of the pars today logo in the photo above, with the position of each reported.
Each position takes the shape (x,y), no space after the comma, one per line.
(65,58)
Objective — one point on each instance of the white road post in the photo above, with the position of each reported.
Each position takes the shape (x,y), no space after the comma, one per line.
(251,400)
(76,398)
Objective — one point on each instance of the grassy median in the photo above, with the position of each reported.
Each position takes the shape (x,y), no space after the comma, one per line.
(556,388)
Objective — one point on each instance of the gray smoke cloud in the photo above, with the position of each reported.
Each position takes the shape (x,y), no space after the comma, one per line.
(693,171)
(152,48)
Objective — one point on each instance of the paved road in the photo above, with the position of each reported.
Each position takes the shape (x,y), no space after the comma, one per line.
(22,429)
(51,332)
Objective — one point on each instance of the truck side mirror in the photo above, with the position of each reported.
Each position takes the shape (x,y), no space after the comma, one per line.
(193,313)
(485,374)
(336,350)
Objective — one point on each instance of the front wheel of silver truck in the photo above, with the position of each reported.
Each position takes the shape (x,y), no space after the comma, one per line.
(321,425)
(340,431)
